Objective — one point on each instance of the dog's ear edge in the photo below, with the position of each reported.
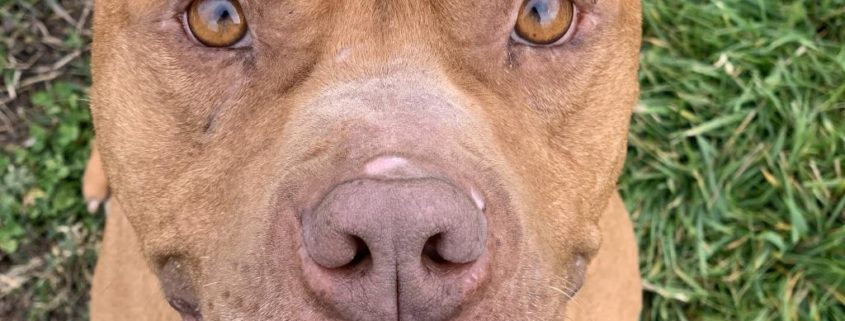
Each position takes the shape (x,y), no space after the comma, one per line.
(95,183)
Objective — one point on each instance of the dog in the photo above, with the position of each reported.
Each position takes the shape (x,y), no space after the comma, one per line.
(363,159)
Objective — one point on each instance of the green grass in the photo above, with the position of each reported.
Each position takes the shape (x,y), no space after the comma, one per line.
(47,239)
(735,173)
(735,166)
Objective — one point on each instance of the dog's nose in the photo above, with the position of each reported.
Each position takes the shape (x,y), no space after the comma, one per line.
(407,249)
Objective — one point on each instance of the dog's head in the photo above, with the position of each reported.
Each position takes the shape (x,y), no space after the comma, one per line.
(365,159)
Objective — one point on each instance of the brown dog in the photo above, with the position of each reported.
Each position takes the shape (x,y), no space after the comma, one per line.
(364,159)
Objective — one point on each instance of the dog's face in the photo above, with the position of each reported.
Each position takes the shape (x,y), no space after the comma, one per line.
(365,159)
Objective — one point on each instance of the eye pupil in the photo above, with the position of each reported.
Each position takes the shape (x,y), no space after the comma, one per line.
(225,16)
(536,13)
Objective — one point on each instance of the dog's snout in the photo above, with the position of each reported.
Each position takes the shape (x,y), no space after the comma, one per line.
(393,218)
(382,249)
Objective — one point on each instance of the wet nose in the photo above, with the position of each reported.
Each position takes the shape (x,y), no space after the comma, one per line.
(406,249)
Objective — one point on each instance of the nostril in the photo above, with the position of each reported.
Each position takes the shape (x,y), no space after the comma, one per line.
(362,255)
(435,261)
(430,255)
(358,263)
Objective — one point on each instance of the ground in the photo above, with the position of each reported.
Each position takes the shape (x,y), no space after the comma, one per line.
(734,176)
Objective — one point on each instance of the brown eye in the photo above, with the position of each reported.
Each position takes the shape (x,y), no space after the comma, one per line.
(543,22)
(217,23)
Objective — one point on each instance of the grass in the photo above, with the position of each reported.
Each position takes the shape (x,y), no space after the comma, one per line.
(47,239)
(735,166)
(734,176)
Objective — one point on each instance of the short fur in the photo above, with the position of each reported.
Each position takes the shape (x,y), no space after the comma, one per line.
(208,150)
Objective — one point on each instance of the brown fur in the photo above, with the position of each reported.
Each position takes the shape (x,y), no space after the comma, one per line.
(95,184)
(202,148)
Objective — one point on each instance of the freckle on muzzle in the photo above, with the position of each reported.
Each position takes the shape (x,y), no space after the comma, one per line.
(408,249)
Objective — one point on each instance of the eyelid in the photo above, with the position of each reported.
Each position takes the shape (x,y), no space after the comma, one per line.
(573,29)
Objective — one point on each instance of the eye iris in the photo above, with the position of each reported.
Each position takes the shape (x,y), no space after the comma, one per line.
(544,21)
(216,23)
